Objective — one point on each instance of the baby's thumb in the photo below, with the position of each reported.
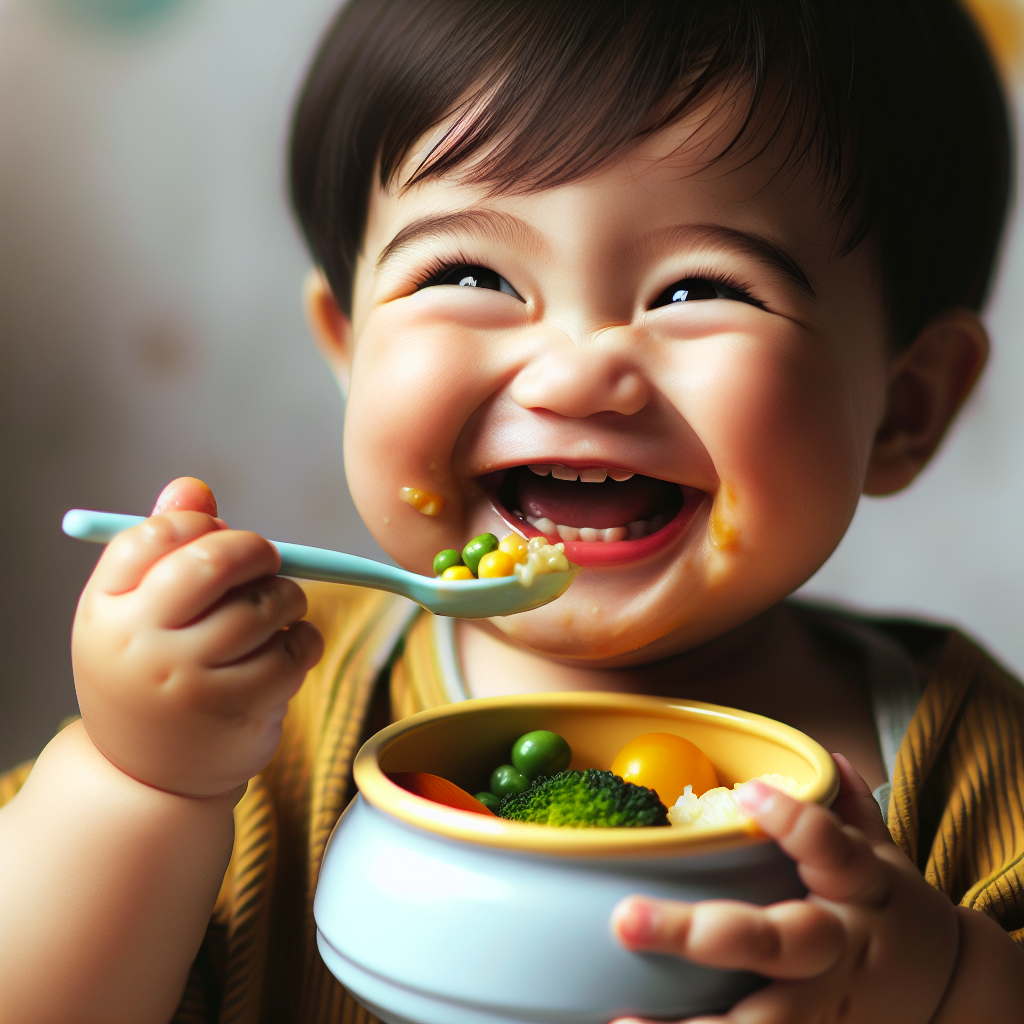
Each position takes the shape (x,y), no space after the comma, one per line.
(856,805)
(186,494)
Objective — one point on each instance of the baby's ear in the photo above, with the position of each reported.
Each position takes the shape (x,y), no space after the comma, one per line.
(928,383)
(332,330)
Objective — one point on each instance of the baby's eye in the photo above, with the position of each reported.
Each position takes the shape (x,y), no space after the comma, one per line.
(471,276)
(690,289)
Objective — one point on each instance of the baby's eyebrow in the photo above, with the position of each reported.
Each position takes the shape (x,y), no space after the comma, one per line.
(746,242)
(501,227)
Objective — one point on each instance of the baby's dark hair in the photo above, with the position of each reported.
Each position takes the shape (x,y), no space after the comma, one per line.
(896,100)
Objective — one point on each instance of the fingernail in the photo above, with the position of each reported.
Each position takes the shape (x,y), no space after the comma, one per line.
(754,797)
(634,921)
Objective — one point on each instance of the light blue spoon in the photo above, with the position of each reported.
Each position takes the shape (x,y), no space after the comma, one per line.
(463,599)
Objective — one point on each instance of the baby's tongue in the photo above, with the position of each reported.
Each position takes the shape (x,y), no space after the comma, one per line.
(574,503)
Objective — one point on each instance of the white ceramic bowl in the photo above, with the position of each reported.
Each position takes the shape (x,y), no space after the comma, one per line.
(431,915)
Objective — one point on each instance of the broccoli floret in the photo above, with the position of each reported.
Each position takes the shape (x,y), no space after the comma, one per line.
(585,799)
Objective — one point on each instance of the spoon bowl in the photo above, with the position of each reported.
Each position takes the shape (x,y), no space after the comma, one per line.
(462,599)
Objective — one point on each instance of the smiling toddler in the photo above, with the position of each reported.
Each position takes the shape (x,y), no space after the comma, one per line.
(671,284)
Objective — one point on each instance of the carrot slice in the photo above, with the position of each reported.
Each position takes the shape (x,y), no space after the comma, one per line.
(441,791)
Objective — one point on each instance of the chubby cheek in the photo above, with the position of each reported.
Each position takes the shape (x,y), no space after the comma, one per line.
(415,382)
(790,440)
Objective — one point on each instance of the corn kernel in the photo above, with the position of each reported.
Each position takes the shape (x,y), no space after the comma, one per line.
(427,502)
(457,572)
(514,546)
(495,563)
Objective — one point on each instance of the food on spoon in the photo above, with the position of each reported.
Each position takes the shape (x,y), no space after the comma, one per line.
(541,752)
(427,502)
(477,548)
(495,563)
(667,764)
(514,546)
(447,559)
(585,799)
(716,807)
(506,780)
(441,791)
(485,558)
(541,558)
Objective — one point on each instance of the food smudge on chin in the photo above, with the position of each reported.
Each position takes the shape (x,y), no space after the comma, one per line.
(427,502)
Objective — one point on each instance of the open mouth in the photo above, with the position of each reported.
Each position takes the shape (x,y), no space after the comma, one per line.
(602,515)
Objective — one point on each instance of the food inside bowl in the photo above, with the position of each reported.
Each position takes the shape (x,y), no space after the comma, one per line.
(656,779)
(585,799)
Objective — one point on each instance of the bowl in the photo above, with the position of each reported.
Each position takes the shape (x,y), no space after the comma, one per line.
(431,915)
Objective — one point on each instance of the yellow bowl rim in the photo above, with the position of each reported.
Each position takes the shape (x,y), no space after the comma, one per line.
(382,793)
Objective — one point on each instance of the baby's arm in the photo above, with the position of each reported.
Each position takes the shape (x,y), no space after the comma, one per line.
(186,650)
(872,943)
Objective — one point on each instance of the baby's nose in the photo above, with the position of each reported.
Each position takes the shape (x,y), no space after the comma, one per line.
(579,380)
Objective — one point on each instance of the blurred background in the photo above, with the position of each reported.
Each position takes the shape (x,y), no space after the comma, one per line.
(150,327)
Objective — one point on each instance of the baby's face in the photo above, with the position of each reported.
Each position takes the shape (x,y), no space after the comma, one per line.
(689,325)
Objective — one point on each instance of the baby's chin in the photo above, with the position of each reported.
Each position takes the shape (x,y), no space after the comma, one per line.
(576,628)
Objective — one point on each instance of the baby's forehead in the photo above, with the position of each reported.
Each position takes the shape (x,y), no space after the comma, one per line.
(677,184)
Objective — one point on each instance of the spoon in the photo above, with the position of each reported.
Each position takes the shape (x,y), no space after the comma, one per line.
(463,599)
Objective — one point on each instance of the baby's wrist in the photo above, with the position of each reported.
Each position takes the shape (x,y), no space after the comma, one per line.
(986,985)
(74,742)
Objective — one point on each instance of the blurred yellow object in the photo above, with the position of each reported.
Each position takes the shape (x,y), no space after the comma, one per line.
(427,502)
(1001,23)
(458,572)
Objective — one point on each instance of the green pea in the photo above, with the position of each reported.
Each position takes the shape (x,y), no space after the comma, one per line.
(489,800)
(541,753)
(505,779)
(477,548)
(445,560)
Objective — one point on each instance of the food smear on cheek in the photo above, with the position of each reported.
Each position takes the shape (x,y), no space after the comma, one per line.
(427,502)
(723,532)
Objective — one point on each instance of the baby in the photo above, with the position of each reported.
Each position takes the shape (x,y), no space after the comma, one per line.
(672,283)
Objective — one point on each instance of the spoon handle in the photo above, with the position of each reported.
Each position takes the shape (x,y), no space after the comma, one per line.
(296,559)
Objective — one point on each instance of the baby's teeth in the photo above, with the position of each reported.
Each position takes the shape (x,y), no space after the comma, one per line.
(540,470)
(567,533)
(545,525)
(619,475)
(589,535)
(594,476)
(564,473)
(614,533)
(637,529)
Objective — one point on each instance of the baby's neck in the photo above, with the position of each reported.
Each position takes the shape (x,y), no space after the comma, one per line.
(773,665)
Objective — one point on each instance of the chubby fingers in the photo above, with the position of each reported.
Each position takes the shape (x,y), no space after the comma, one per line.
(130,555)
(795,939)
(246,618)
(835,861)
(192,578)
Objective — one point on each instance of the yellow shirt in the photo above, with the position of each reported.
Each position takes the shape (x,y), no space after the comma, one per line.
(957,804)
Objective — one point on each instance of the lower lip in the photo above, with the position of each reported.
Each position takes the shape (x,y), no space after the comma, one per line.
(619,552)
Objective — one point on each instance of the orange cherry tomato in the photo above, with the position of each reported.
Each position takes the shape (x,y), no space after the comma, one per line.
(667,764)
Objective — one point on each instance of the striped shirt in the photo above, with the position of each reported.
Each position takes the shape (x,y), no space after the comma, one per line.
(956,806)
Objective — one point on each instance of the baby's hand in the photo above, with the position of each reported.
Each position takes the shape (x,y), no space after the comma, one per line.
(872,942)
(186,648)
